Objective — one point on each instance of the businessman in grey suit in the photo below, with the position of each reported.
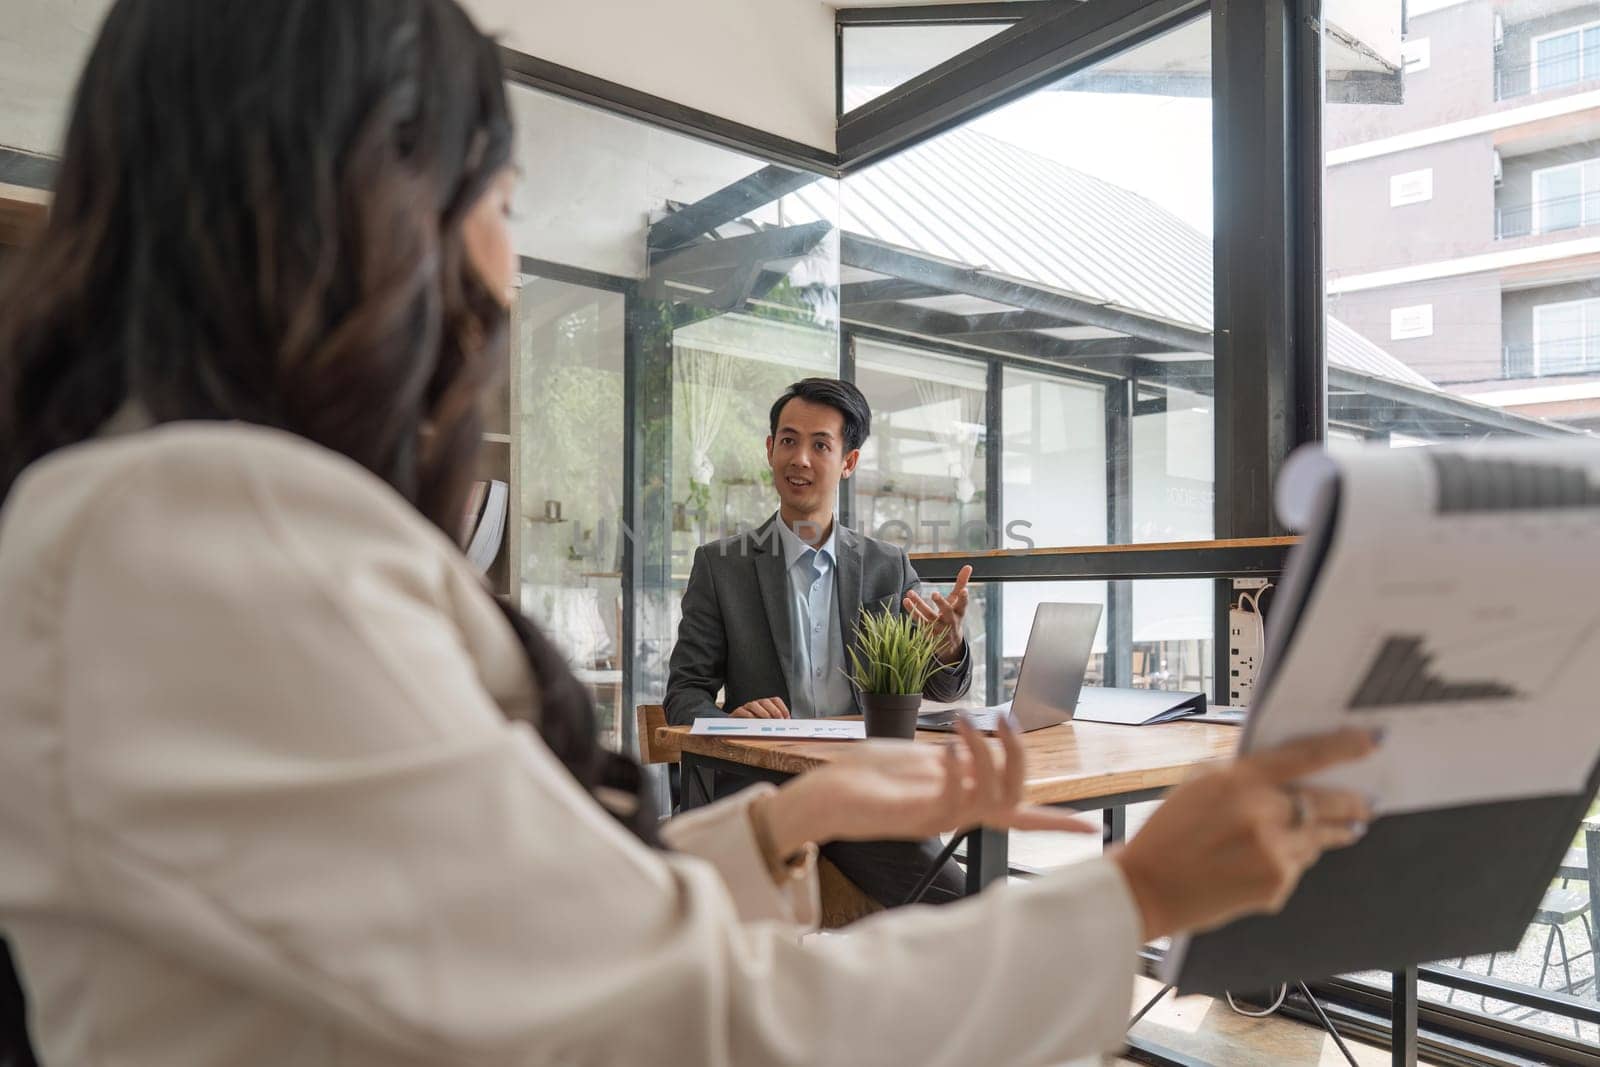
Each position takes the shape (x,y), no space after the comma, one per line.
(768,615)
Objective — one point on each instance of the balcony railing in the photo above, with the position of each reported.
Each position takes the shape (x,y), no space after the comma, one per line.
(1549,359)
(1552,72)
(1547,216)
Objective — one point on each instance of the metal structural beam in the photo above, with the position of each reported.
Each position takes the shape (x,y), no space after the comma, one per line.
(1052,42)
(904,318)
(1011,321)
(1256,557)
(886,290)
(734,201)
(1086,349)
(863,252)
(1259,348)
(921,325)
(1474,418)
(729,268)
(1119,413)
(939,14)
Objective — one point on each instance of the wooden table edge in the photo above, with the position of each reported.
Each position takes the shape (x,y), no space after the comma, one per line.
(1044,790)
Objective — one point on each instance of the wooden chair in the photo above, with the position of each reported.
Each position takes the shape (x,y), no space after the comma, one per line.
(1140,678)
(649,718)
(842,900)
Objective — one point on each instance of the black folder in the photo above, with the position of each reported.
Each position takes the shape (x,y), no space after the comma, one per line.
(1418,888)
(1135,707)
(1433,885)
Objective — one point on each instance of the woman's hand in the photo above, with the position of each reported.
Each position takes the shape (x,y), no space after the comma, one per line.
(913,790)
(1236,841)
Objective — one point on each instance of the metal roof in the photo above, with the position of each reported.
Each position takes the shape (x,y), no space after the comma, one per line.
(970,198)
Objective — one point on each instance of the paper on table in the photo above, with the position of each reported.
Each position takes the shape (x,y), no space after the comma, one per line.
(1457,607)
(783,729)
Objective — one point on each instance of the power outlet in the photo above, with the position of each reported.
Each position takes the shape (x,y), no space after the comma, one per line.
(1244,655)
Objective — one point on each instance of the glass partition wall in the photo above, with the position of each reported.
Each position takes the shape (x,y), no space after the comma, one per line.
(671,289)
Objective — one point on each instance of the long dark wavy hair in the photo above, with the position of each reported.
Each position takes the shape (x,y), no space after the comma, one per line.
(258,217)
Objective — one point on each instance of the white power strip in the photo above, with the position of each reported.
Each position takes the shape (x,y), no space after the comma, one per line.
(1244,655)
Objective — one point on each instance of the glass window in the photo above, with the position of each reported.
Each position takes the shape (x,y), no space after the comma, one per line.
(1173,494)
(1557,60)
(568,514)
(1466,378)
(921,482)
(1053,461)
(1566,57)
(1558,198)
(1016,235)
(1173,628)
(650,335)
(726,372)
(1566,337)
(876,59)
(1566,196)
(1021,600)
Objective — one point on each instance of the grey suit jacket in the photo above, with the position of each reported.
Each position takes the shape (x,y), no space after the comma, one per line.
(735,630)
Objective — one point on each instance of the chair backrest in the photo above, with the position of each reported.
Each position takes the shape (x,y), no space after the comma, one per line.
(650,718)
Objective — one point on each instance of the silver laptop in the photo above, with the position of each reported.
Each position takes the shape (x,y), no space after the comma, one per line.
(1050,678)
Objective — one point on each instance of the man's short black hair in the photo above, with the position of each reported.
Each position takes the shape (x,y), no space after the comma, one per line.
(838,394)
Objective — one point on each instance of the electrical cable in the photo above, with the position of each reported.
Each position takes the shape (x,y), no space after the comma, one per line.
(1283,993)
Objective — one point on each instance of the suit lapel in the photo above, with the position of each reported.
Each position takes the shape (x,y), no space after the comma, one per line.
(847,594)
(773,578)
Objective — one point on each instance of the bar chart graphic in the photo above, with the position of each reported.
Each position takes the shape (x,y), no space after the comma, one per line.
(1403,674)
(1471,484)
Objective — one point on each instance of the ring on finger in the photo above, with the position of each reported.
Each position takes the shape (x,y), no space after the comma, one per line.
(1300,815)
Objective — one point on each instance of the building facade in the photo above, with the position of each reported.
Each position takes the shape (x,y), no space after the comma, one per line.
(1463,223)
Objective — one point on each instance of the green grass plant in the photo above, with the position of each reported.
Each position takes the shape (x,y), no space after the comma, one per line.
(893,654)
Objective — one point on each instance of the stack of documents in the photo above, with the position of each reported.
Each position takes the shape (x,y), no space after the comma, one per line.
(783,729)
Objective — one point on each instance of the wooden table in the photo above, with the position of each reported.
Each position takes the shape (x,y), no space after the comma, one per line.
(1085,765)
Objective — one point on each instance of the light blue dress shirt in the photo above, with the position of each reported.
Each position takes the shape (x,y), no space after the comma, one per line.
(818,685)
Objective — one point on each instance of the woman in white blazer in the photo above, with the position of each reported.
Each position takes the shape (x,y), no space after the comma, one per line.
(280,783)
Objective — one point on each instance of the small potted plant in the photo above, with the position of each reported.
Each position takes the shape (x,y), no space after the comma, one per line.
(891,661)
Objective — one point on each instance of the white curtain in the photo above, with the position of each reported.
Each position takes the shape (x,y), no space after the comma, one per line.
(705,382)
(951,415)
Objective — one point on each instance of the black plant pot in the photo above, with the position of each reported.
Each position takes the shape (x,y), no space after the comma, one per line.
(891,714)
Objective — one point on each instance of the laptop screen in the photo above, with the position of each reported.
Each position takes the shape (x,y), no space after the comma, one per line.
(1051,676)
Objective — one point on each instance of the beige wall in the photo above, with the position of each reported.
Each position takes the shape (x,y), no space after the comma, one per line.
(43,44)
(765,63)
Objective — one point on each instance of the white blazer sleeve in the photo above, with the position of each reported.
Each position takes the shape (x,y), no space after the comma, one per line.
(721,834)
(283,768)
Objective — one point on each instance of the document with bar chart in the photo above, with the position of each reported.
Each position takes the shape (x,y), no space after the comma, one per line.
(1451,596)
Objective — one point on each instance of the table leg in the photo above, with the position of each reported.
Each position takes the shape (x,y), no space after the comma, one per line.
(987,858)
(691,770)
(1116,825)
(1403,1021)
